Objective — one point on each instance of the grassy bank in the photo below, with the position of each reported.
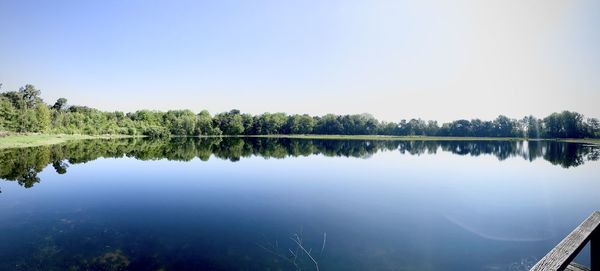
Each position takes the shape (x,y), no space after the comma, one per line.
(32,140)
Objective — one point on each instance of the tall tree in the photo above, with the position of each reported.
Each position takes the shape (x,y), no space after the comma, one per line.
(31,95)
(59,104)
(8,115)
(230,123)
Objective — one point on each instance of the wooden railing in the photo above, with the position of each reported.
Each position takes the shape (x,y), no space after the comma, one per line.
(561,256)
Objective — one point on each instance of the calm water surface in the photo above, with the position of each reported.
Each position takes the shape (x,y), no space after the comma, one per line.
(245,204)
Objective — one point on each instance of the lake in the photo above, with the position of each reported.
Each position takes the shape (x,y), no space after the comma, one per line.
(284,204)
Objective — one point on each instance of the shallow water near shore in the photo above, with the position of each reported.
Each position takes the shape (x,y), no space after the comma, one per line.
(247,204)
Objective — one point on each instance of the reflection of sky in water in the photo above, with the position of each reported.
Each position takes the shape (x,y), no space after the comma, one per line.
(390,211)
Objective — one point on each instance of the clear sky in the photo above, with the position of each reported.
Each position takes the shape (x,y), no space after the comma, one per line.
(438,60)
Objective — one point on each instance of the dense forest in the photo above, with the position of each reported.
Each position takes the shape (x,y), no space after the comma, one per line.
(24,111)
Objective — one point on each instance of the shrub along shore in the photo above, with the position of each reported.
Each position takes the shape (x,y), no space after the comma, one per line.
(24,111)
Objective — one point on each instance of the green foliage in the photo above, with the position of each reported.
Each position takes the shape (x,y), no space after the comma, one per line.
(156,132)
(59,104)
(230,123)
(25,111)
(8,115)
(180,122)
(30,95)
(329,125)
(566,125)
(269,124)
(300,124)
(42,118)
(204,124)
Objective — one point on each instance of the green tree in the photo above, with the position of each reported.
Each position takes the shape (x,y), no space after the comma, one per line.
(230,123)
(8,115)
(299,124)
(31,95)
(154,131)
(42,118)
(204,124)
(59,104)
(504,127)
(533,127)
(329,124)
(593,127)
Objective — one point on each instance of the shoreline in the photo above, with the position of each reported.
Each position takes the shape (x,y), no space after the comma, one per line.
(387,137)
(34,140)
(11,141)
(426,138)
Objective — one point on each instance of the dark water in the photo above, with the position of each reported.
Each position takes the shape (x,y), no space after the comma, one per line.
(235,204)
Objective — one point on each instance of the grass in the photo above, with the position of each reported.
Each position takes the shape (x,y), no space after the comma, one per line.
(32,140)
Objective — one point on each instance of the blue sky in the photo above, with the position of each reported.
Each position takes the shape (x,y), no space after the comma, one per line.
(394,59)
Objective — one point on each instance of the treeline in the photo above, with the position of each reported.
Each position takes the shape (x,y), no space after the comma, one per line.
(25,111)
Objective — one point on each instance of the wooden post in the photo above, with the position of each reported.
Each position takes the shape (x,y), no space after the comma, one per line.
(595,250)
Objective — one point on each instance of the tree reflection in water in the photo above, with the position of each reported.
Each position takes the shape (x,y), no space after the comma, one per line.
(23,165)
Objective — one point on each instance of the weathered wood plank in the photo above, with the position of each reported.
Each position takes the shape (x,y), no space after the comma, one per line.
(595,250)
(561,256)
(576,267)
